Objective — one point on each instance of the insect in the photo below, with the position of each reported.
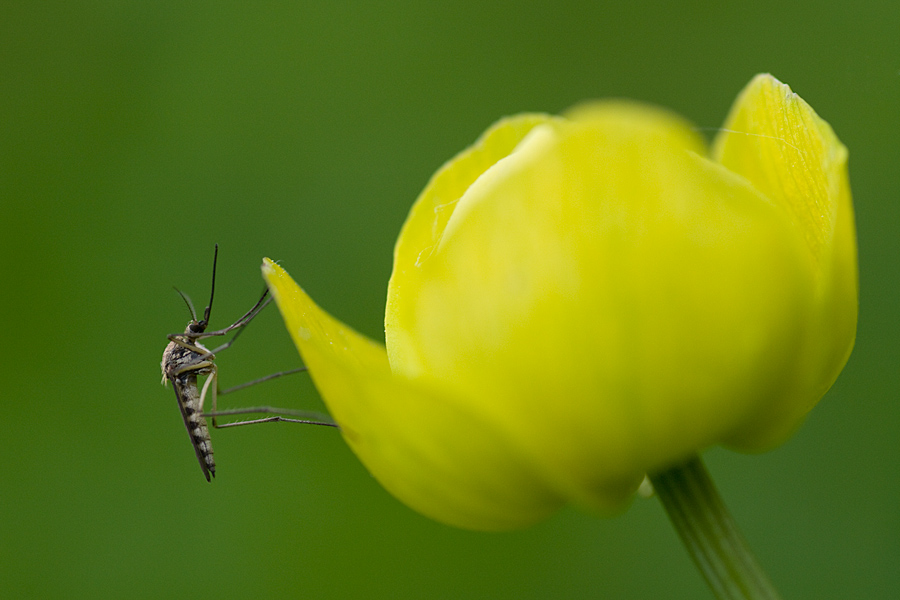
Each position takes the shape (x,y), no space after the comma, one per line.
(185,359)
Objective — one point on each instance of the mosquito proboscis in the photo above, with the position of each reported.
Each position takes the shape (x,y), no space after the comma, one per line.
(185,359)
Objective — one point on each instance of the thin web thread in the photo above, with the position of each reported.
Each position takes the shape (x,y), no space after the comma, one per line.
(760,135)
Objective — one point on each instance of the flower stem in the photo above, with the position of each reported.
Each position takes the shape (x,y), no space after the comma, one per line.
(709,533)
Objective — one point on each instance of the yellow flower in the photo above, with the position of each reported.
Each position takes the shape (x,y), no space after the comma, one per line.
(577,301)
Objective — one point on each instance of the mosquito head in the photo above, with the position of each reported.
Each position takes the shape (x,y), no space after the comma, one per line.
(199,326)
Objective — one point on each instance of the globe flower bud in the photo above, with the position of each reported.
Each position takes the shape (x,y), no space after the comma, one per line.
(577,301)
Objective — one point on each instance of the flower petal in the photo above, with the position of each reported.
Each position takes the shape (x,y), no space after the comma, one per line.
(611,300)
(428,217)
(439,458)
(785,150)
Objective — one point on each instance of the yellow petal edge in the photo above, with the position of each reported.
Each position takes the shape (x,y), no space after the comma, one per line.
(431,454)
(774,139)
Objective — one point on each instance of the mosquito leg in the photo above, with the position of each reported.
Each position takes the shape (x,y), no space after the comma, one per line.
(261,379)
(303,416)
(311,418)
(239,324)
(201,361)
(226,344)
(196,349)
(203,352)
(213,377)
(175,339)
(187,340)
(196,366)
(248,316)
(275,420)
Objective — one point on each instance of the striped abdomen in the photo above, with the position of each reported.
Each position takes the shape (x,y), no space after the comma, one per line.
(189,402)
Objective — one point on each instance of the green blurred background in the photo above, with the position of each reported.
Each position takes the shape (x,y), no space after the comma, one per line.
(135,135)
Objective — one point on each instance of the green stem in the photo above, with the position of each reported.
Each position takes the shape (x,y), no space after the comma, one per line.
(709,533)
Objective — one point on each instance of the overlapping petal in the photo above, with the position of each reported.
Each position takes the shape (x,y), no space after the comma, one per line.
(777,142)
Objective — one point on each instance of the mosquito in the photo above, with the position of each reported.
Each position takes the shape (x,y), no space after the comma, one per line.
(185,359)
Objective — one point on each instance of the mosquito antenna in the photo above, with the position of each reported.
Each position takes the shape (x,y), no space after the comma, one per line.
(187,301)
(212,288)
